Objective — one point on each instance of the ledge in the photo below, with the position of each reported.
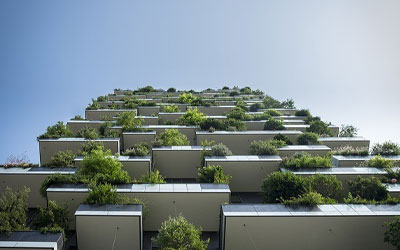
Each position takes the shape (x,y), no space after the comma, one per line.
(244,158)
(336,171)
(109,210)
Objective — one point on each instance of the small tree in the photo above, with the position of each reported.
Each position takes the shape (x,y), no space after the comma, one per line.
(348,131)
(274,124)
(153,177)
(129,122)
(58,130)
(308,138)
(282,186)
(263,148)
(392,233)
(172,137)
(192,117)
(213,174)
(177,233)
(88,133)
(370,188)
(54,218)
(13,207)
(62,159)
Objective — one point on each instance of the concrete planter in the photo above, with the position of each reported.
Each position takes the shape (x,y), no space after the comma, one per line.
(110,104)
(290,112)
(189,131)
(199,203)
(131,138)
(32,240)
(97,226)
(172,117)
(214,110)
(181,106)
(337,142)
(148,110)
(328,227)
(178,161)
(135,166)
(290,150)
(48,147)
(123,92)
(293,122)
(343,174)
(303,128)
(100,114)
(247,171)
(32,178)
(239,141)
(76,125)
(354,161)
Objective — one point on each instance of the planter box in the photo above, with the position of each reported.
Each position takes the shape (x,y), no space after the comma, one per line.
(189,131)
(343,174)
(149,120)
(48,147)
(123,92)
(17,178)
(131,138)
(247,171)
(181,106)
(291,112)
(303,128)
(239,141)
(100,114)
(337,142)
(97,227)
(32,240)
(173,117)
(155,95)
(328,227)
(293,122)
(148,110)
(289,124)
(135,166)
(111,104)
(290,150)
(199,203)
(76,125)
(178,161)
(214,110)
(354,161)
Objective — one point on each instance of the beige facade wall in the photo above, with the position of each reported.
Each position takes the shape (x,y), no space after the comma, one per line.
(148,110)
(181,106)
(173,117)
(75,126)
(214,110)
(190,132)
(129,139)
(99,114)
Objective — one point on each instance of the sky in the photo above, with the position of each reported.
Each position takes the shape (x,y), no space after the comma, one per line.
(338,58)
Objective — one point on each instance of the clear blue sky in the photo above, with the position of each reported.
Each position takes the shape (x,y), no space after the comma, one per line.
(340,59)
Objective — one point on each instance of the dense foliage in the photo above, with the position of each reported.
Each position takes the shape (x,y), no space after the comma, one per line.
(380,162)
(153,177)
(129,121)
(370,188)
(59,130)
(348,131)
(386,148)
(192,117)
(219,150)
(305,160)
(274,124)
(88,133)
(13,208)
(392,233)
(106,194)
(54,218)
(265,147)
(213,174)
(351,151)
(308,138)
(171,137)
(282,186)
(171,109)
(62,159)
(319,127)
(139,149)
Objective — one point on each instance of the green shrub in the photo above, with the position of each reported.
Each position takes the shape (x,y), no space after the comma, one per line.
(139,149)
(310,199)
(172,137)
(237,113)
(153,177)
(13,208)
(102,98)
(258,117)
(192,117)
(303,112)
(112,134)
(219,150)
(392,232)
(177,233)
(171,90)
(319,127)
(256,106)
(287,104)
(280,137)
(225,88)
(305,160)
(129,122)
(234,93)
(308,138)
(327,185)
(93,106)
(171,109)
(351,151)
(104,126)
(273,112)
(234,125)
(186,98)
(274,124)
(209,123)
(78,118)
(348,131)
(386,148)
(246,91)
(271,103)
(380,162)
(101,167)
(88,133)
(89,146)
(370,188)
(213,174)
(262,148)
(106,194)
(62,159)
(282,186)
(59,130)
(146,89)
(54,217)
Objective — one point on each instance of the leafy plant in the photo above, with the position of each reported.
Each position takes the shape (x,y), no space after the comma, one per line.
(78,118)
(172,137)
(129,121)
(303,112)
(219,150)
(351,151)
(192,117)
(380,162)
(178,233)
(139,149)
(171,109)
(319,127)
(284,138)
(256,106)
(308,138)
(392,232)
(55,179)
(171,90)
(310,199)
(106,194)
(348,131)
(271,103)
(263,148)
(59,130)
(146,89)
(234,93)
(282,186)
(234,125)
(53,218)
(13,208)
(213,174)
(186,98)
(62,159)
(88,133)
(93,106)
(153,177)
(273,112)
(327,185)
(274,124)
(386,148)
(89,146)
(305,160)
(370,188)
(209,123)
(237,113)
